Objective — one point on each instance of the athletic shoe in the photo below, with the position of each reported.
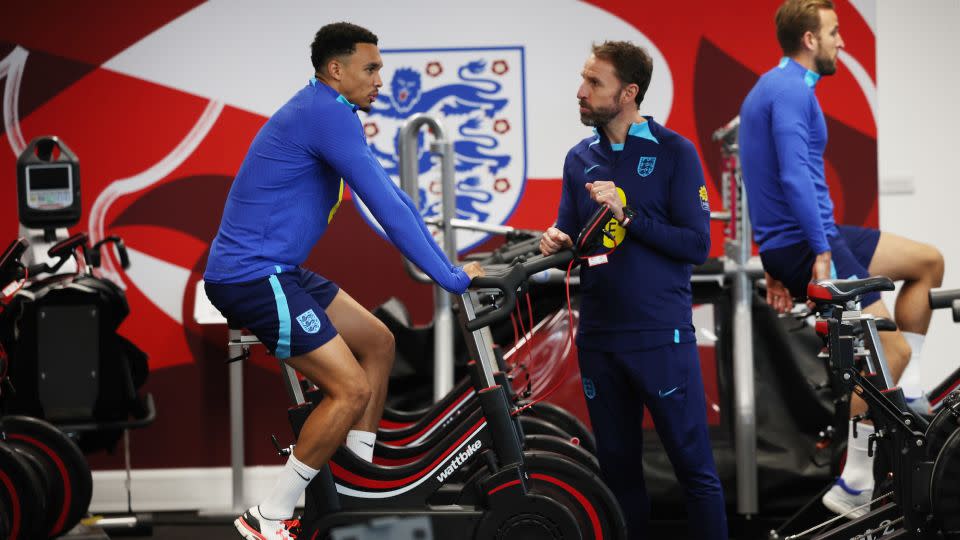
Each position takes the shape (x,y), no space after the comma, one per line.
(253,526)
(841,499)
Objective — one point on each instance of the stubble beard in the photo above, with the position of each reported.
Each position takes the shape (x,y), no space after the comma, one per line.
(599,117)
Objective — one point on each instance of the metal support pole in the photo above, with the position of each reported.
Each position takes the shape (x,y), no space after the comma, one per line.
(443,323)
(738,250)
(236,424)
(745,415)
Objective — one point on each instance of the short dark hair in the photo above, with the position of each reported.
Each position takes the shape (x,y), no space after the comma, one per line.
(632,63)
(794,19)
(338,39)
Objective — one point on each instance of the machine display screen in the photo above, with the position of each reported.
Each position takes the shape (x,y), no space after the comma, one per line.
(49,187)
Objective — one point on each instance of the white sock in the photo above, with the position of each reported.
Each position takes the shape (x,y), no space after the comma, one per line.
(910,379)
(361,443)
(858,471)
(288,489)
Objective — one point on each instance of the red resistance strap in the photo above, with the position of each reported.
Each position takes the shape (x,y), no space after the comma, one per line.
(558,381)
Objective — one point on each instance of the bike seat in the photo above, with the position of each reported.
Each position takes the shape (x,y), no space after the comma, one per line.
(841,291)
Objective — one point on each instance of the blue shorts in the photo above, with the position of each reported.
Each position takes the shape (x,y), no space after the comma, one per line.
(850,253)
(285,311)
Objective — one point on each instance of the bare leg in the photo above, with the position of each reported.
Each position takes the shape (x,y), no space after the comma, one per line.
(336,372)
(372,343)
(920,266)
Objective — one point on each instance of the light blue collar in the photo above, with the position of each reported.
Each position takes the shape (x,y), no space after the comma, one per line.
(317,82)
(810,77)
(641,130)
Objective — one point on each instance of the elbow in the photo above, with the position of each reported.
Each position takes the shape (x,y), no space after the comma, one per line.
(703,251)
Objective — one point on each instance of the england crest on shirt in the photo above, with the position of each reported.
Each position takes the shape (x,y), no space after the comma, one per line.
(645,165)
(477,95)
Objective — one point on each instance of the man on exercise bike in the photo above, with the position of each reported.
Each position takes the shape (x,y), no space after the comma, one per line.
(286,192)
(635,339)
(782,139)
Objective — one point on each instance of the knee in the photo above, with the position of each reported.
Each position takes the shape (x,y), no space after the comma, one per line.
(355,395)
(936,266)
(386,345)
(930,266)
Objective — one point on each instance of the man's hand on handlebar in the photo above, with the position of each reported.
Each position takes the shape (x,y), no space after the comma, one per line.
(473,270)
(553,240)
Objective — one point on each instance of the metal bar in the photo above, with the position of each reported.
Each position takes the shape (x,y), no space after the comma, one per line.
(745,417)
(876,350)
(481,346)
(291,383)
(237,457)
(443,326)
(409,146)
(466,224)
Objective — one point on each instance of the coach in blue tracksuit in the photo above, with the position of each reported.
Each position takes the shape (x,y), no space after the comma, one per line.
(636,342)
(281,201)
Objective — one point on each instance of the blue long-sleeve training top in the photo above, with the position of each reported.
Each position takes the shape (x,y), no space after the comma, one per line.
(640,298)
(291,183)
(782,138)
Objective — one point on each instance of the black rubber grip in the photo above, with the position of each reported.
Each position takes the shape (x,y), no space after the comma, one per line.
(66,247)
(943,298)
(886,325)
(509,281)
(10,261)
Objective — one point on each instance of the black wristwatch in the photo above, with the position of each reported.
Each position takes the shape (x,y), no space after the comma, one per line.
(628,215)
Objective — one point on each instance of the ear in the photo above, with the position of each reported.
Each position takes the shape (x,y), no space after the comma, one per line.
(629,93)
(809,41)
(335,69)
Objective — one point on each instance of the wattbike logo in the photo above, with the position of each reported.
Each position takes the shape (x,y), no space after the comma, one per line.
(461,458)
(874,534)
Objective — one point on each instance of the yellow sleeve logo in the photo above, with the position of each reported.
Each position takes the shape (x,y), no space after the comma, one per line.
(704,201)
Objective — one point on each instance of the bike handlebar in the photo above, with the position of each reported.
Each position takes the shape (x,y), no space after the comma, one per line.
(509,281)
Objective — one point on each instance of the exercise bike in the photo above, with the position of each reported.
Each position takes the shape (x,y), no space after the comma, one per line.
(530,381)
(512,493)
(924,459)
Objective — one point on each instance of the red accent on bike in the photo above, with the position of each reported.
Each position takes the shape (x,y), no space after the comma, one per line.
(67,488)
(14,503)
(441,416)
(946,393)
(343,474)
(819,292)
(591,512)
(821,328)
(390,424)
(504,486)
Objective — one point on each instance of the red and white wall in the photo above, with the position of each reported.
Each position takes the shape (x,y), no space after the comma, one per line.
(160,101)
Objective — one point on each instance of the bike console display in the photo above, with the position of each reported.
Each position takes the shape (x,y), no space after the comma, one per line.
(48,185)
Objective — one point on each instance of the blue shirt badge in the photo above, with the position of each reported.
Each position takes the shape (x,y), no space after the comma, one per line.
(646,165)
